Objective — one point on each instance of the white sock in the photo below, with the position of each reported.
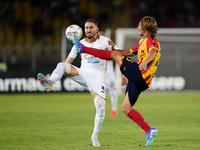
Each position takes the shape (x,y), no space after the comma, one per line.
(114,99)
(100,114)
(57,74)
(95,134)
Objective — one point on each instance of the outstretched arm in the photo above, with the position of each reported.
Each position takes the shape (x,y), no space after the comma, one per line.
(123,52)
(126,52)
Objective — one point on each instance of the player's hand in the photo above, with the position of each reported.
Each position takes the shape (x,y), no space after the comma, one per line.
(111,45)
(143,66)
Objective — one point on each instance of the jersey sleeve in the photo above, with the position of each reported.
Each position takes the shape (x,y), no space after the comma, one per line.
(152,42)
(72,53)
(105,43)
(134,49)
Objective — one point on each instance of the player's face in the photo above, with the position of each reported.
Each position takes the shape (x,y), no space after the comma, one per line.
(140,30)
(90,29)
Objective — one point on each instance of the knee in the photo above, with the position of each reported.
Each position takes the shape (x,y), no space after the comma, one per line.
(65,67)
(60,65)
(100,104)
(115,54)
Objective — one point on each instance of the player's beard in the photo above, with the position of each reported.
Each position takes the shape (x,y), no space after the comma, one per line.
(90,37)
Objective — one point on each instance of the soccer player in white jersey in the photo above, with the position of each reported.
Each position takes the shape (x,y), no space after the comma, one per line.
(110,84)
(91,74)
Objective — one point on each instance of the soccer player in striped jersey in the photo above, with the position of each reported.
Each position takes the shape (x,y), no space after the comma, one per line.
(136,76)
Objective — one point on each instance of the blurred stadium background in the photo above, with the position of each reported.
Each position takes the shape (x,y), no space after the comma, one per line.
(31,37)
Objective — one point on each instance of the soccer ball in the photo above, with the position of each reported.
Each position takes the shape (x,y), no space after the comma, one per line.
(73,29)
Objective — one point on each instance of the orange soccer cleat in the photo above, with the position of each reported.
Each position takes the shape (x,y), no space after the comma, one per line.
(113,113)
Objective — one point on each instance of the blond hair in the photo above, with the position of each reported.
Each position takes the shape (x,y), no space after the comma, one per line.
(150,24)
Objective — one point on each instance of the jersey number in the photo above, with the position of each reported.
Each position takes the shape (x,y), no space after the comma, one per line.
(103,89)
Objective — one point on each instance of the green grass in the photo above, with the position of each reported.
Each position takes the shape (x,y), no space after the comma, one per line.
(65,121)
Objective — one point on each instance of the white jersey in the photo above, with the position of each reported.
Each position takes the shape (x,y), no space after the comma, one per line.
(90,61)
(110,76)
(92,72)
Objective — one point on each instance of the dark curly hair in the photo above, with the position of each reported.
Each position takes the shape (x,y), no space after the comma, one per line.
(93,21)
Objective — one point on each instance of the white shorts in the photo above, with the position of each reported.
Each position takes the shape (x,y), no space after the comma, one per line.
(92,79)
(110,76)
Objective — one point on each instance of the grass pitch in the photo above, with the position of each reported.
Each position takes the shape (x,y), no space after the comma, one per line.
(64,121)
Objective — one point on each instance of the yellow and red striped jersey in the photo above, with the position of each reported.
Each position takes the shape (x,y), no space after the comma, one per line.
(141,49)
